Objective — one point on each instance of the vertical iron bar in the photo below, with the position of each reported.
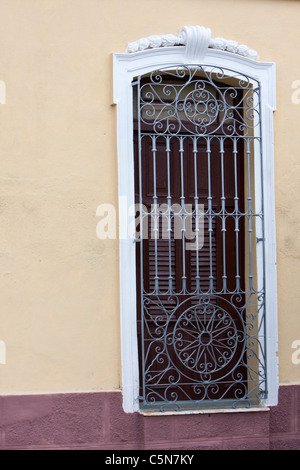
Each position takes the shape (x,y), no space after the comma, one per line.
(209,200)
(223,216)
(236,217)
(182,199)
(169,199)
(196,198)
(141,232)
(156,228)
(249,198)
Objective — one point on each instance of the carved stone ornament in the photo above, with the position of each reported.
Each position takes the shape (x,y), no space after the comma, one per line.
(196,39)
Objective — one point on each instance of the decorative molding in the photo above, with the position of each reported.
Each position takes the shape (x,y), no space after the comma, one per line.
(197,40)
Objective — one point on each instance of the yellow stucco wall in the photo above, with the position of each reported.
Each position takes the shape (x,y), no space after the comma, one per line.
(59,288)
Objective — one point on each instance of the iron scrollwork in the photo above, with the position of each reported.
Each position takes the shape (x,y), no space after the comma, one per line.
(205,345)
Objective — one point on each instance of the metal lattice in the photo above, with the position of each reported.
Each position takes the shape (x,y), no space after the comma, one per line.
(201,318)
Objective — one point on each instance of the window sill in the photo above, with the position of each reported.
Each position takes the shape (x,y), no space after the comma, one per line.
(204,411)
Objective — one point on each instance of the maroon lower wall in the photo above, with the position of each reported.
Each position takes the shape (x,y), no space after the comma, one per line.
(97,421)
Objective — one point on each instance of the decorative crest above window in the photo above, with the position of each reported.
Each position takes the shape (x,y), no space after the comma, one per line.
(196,39)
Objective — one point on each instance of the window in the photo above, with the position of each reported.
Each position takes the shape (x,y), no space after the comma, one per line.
(198,282)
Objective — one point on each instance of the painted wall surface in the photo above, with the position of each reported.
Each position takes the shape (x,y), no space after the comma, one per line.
(59,287)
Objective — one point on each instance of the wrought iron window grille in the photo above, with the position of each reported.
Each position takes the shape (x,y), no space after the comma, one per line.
(201,312)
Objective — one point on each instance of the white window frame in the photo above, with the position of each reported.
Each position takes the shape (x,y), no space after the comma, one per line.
(127,66)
